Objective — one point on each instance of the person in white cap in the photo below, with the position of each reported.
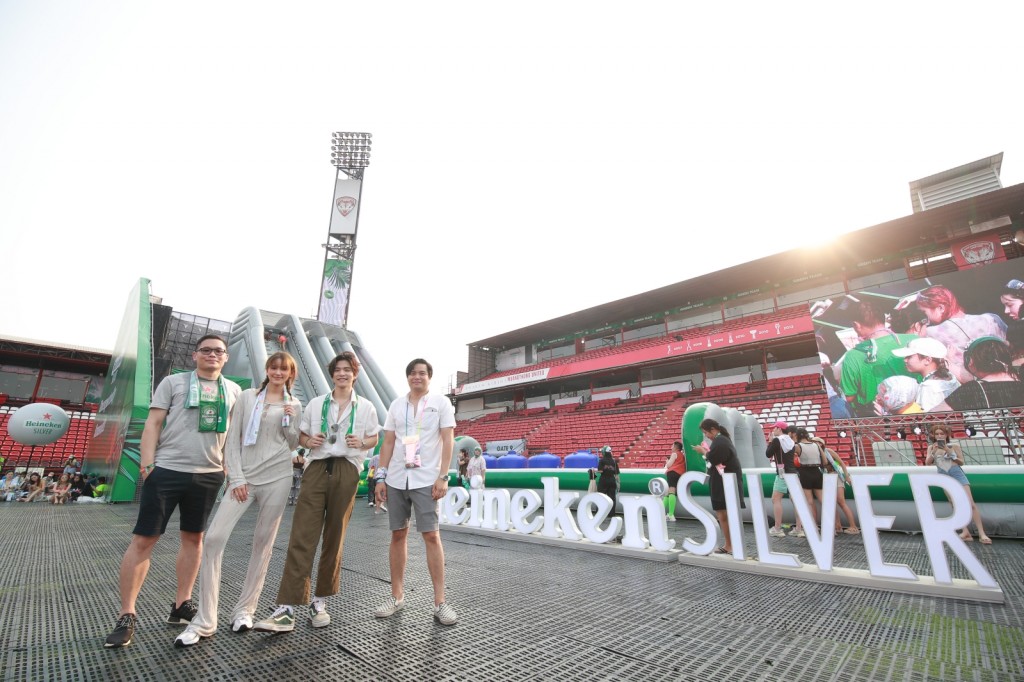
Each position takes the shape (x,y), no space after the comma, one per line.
(927,356)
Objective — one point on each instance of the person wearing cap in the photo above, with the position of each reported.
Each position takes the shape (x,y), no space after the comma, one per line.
(997,385)
(780,452)
(609,470)
(927,357)
(871,361)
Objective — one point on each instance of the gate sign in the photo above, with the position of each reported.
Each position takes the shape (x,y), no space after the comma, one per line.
(38,424)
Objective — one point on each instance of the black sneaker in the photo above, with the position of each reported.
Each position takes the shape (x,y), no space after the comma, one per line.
(182,615)
(123,632)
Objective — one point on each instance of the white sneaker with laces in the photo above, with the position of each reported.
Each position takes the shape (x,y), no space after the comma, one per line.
(776,532)
(318,616)
(389,607)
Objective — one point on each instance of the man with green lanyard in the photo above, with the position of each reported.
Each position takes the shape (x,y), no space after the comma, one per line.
(339,431)
(419,435)
(181,465)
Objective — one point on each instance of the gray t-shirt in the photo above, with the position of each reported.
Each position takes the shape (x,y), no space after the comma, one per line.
(181,446)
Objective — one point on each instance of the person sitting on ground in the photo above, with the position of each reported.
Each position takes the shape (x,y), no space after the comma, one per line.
(11,487)
(71,466)
(80,488)
(62,490)
(102,488)
(33,488)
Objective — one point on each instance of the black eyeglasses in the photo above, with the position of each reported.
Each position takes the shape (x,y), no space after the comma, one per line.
(212,351)
(333,438)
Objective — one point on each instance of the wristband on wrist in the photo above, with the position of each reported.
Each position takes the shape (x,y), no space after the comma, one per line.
(380,475)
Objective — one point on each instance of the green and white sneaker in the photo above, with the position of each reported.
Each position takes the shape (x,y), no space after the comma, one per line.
(282,620)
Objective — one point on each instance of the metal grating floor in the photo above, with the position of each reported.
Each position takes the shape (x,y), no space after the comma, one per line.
(527,612)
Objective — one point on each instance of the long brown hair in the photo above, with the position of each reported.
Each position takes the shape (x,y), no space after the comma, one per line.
(289,362)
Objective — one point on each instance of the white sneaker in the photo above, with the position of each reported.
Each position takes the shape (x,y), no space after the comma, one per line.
(798,533)
(187,638)
(242,624)
(445,615)
(776,532)
(318,616)
(389,607)
(669,517)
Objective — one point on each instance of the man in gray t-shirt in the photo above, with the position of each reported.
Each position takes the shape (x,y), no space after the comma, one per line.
(182,467)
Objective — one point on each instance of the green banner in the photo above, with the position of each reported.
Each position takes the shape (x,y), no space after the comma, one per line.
(114,449)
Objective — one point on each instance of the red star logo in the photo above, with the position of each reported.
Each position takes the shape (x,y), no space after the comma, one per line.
(47,416)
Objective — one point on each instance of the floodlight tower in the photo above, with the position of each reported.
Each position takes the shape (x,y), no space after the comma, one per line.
(350,155)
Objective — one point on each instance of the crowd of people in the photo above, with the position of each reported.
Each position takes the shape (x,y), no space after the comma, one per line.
(58,487)
(947,360)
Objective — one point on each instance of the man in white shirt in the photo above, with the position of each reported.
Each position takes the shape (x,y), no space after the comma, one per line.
(339,429)
(419,435)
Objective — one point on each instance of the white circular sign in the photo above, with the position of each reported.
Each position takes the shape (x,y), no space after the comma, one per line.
(38,424)
(657,486)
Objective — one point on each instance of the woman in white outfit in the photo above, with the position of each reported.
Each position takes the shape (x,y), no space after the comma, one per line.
(264,430)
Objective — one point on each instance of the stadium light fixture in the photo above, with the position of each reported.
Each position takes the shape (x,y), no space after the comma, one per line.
(842,433)
(901,434)
(350,151)
(970,431)
(918,430)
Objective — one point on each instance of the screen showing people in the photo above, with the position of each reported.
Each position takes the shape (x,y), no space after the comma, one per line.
(953,342)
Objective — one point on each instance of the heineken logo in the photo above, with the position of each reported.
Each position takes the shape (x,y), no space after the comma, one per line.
(38,424)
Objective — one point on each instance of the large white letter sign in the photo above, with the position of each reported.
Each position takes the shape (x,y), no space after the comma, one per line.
(937,531)
(823,543)
(591,512)
(699,513)
(453,508)
(731,486)
(524,503)
(496,504)
(870,524)
(757,515)
(558,521)
(631,515)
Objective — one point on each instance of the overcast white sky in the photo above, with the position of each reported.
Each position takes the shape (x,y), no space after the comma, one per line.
(530,159)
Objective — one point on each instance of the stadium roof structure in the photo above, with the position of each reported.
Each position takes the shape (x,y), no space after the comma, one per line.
(920,232)
(20,351)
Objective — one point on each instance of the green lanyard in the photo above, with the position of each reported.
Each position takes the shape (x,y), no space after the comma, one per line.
(327,410)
